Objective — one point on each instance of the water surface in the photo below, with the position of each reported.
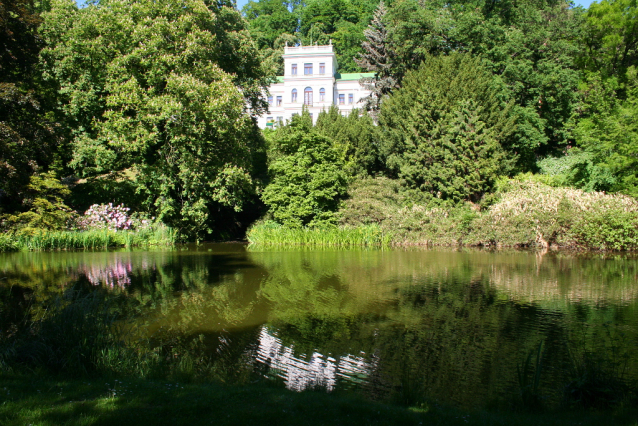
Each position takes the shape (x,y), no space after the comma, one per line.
(406,326)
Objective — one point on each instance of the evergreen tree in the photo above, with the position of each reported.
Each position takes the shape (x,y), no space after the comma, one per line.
(448,130)
(377,58)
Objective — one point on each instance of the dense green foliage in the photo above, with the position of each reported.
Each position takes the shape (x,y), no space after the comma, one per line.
(447,130)
(152,104)
(158,88)
(273,22)
(28,136)
(44,199)
(306,176)
(531,45)
(608,135)
(605,122)
(355,137)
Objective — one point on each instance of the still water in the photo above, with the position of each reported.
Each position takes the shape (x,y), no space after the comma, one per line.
(397,325)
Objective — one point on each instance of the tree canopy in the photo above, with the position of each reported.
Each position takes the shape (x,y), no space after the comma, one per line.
(307,178)
(159,88)
(531,45)
(447,131)
(28,136)
(315,21)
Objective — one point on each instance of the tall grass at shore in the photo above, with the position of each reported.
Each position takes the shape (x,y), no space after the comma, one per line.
(90,239)
(270,233)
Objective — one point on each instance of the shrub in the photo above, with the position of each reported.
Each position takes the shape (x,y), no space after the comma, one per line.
(46,209)
(531,213)
(307,177)
(371,201)
(106,216)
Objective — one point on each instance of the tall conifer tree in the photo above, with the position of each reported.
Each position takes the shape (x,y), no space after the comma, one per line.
(377,58)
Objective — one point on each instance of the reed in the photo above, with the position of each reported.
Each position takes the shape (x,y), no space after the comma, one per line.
(529,382)
(91,239)
(270,233)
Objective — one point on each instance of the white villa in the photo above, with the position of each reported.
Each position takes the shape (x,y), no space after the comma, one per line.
(310,79)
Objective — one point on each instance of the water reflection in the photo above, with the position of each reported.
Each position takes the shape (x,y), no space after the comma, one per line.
(308,372)
(404,325)
(110,275)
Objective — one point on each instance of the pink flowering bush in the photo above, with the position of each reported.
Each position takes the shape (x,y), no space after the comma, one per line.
(106,216)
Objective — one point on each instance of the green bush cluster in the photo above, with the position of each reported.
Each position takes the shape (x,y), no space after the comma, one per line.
(306,174)
(525,213)
(531,213)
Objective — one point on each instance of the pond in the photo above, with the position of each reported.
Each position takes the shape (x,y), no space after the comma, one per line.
(458,327)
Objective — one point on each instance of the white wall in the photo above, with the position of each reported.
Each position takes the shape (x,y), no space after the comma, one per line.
(315,55)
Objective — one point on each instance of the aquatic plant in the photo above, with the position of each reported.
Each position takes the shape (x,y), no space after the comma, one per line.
(528,382)
(596,380)
(156,234)
(76,333)
(272,233)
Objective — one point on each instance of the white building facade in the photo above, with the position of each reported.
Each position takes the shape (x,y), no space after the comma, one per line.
(311,80)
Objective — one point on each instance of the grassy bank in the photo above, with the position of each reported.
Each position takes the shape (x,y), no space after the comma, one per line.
(270,233)
(45,400)
(522,213)
(94,239)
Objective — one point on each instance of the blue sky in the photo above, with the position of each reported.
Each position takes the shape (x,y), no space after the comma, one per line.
(585,3)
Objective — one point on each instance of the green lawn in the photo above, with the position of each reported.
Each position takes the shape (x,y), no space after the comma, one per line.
(35,401)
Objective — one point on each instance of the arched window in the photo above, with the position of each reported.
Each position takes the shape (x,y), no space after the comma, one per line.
(307,96)
(322,95)
(294,95)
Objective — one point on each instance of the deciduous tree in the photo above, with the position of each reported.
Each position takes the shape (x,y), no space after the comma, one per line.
(160,88)
(27,129)
(307,178)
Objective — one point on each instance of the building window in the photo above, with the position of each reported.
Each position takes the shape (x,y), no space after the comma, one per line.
(278,100)
(322,68)
(294,96)
(270,100)
(280,120)
(322,95)
(307,69)
(307,96)
(310,115)
(350,98)
(294,69)
(270,122)
(342,99)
